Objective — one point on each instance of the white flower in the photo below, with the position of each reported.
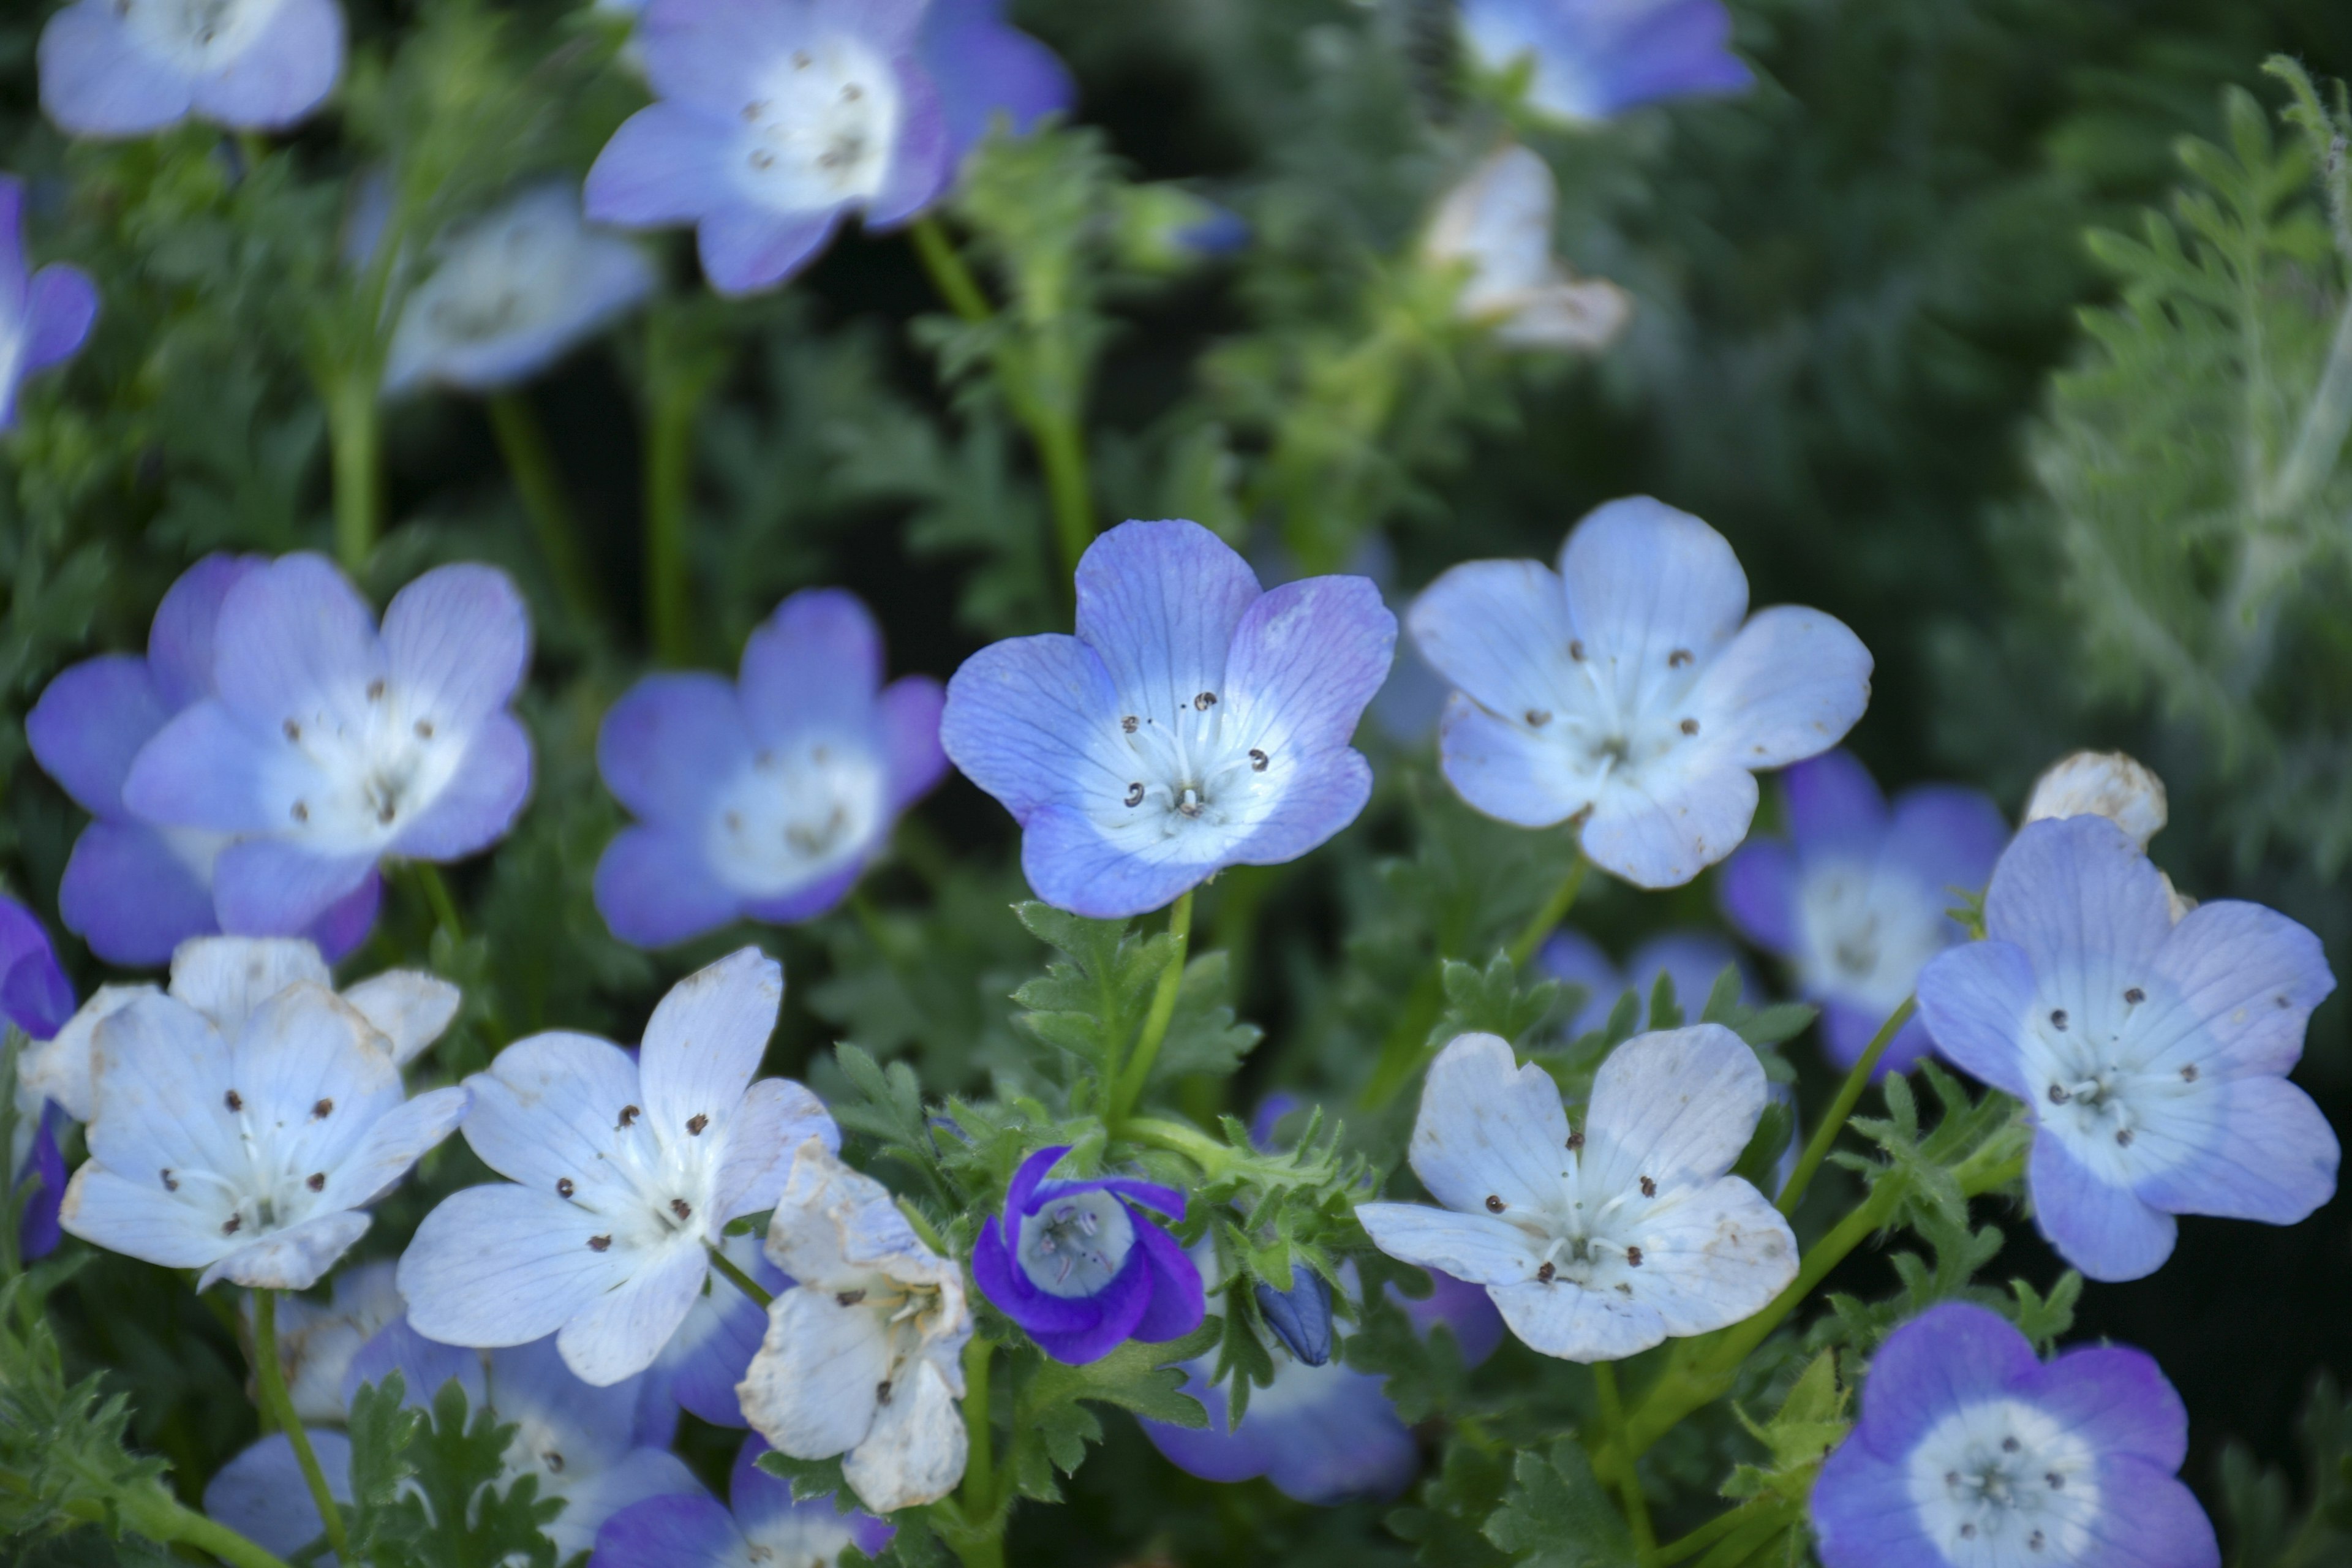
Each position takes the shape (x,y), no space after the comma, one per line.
(2100,783)
(225,978)
(1498,219)
(249,1152)
(864,1356)
(628,1171)
(1600,1244)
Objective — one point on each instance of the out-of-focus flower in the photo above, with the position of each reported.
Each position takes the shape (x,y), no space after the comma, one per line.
(317,1343)
(1193,722)
(45,316)
(1630,691)
(1593,59)
(1497,223)
(622,1174)
(324,744)
(760,1524)
(1693,960)
(505,294)
(2152,1053)
(1162,229)
(250,1154)
(36,999)
(865,1356)
(1856,898)
(1971,1451)
(768,797)
(772,122)
(1076,1265)
(985,70)
(123,67)
(1597,1243)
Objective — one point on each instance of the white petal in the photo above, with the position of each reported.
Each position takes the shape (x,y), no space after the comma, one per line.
(811,1391)
(407,1007)
(501,1265)
(1579,1324)
(62,1068)
(1654,593)
(227,977)
(620,1333)
(395,1141)
(140,1219)
(704,1041)
(1478,1247)
(1499,631)
(914,1453)
(549,1110)
(1662,824)
(162,1073)
(777,1116)
(1677,1107)
(1489,1128)
(1790,686)
(301,1050)
(1713,1256)
(831,1222)
(294,1258)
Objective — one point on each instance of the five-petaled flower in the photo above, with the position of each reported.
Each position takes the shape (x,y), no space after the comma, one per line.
(864,1356)
(1498,221)
(622,1174)
(1623,692)
(759,1524)
(1971,1453)
(133,889)
(251,1151)
(2152,1054)
(45,316)
(1593,59)
(1857,899)
(767,798)
(325,744)
(1194,722)
(1076,1265)
(1595,1243)
(124,68)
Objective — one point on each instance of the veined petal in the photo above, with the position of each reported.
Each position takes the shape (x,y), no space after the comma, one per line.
(1675,1107)
(457,640)
(2078,896)
(263,1495)
(277,887)
(1575,1323)
(621,1332)
(408,1007)
(1789,687)
(705,1038)
(482,799)
(1499,631)
(63,1068)
(131,897)
(669,741)
(1489,1128)
(2267,1155)
(655,888)
(1976,1000)
(775,1117)
(139,1219)
(638,1475)
(814,666)
(1662,824)
(1646,583)
(159,1074)
(294,1258)
(1714,1258)
(501,1265)
(811,1389)
(1477,1247)
(547,1109)
(2107,1231)
(2117,1399)
(1504,769)
(2247,979)
(1306,659)
(96,80)
(89,724)
(398,1140)
(1023,719)
(225,978)
(1159,604)
(1950,1355)
(203,769)
(296,641)
(915,1450)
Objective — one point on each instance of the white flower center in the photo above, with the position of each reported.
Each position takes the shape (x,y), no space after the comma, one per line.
(2117,1064)
(506,276)
(822,130)
(2001,1484)
(1613,718)
(1591,1238)
(282,1180)
(1076,1244)
(655,1188)
(1204,777)
(1865,933)
(360,780)
(800,1538)
(197,36)
(795,815)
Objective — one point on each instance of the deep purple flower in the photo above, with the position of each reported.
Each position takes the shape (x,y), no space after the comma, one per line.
(1077,1266)
(1693,960)
(761,1523)
(2152,1054)
(1593,59)
(1855,897)
(1970,1451)
(773,121)
(123,67)
(325,744)
(1194,723)
(768,797)
(983,66)
(44,316)
(35,998)
(134,890)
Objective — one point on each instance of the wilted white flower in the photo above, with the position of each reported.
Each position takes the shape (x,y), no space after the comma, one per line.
(1498,219)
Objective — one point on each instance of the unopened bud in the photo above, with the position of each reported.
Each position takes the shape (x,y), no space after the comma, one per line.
(2100,783)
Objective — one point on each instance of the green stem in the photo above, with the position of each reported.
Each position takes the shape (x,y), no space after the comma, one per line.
(1407,1039)
(1062,452)
(354,434)
(1628,1482)
(979,1500)
(725,1266)
(1750,1539)
(1178,1139)
(522,440)
(1127,1087)
(681,367)
(1849,1094)
(950,276)
(151,1511)
(1712,1531)
(1545,920)
(270,1379)
(436,897)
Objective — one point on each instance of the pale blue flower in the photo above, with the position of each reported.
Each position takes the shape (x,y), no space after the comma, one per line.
(124,68)
(1593,59)
(760,1524)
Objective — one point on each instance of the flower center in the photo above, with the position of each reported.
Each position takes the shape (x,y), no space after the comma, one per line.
(795,815)
(362,774)
(1076,1244)
(1593,1240)
(822,130)
(1999,1484)
(654,1189)
(1609,716)
(1198,774)
(196,36)
(282,1181)
(2110,1062)
(1866,935)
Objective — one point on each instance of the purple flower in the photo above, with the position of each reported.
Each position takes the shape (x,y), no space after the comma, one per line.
(1970,1451)
(1625,692)
(44,316)
(768,797)
(2152,1054)
(1593,59)
(1693,960)
(325,745)
(1194,723)
(1856,898)
(1077,1266)
(763,1524)
(123,67)
(773,121)
(132,890)
(36,998)
(982,66)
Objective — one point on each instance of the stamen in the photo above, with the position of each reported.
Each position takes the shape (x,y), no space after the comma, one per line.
(293,729)
(1633,1258)
(1679,657)
(629,1114)
(1494,1203)
(1649,1188)
(2058,1018)
(1576,651)
(681,1208)
(563,1187)
(1135,793)
(234,1100)
(600,1243)
(170,1183)
(1127,723)
(1257,760)
(882,1391)
(1537,717)
(696,1123)
(322,1109)
(1204,701)
(849,1297)
(1690,726)
(2135,996)
(316,1182)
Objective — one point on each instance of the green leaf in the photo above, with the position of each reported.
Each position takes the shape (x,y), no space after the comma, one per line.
(809,1478)
(1201,1034)
(1556,1516)
(1491,1001)
(2046,1319)
(1091,1003)
(1052,1425)
(1448,1526)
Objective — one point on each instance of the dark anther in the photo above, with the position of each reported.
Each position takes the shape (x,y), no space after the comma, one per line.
(386,813)
(1494,1203)
(882,1391)
(800,59)
(171,1181)
(234,1100)
(554,1462)
(696,1123)
(1127,723)
(2123,1137)
(301,812)
(375,689)
(1545,1273)
(600,1243)
(1576,650)
(2034,1541)
(232,1225)
(2285,1003)
(1135,794)
(1679,657)
(322,1109)
(734,822)
(2057,1482)
(563,1187)
(849,1297)
(2189,1073)
(317,1181)
(1633,1258)
(424,728)
(2008,1444)
(629,1114)
(1257,760)
(1649,1188)
(2058,1018)
(851,92)
(1968,1532)
(293,731)
(1951,1478)
(1537,717)
(2135,996)
(1690,726)
(1203,702)
(681,1208)
(2058,1095)
(1575,1139)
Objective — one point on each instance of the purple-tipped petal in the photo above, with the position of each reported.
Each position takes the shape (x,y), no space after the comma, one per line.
(180,643)
(1758,891)
(1314,652)
(1948,1356)
(1016,715)
(1975,1001)
(1644,581)
(348,919)
(666,165)
(37,1232)
(2267,1154)
(2115,1398)
(295,641)
(266,887)
(1834,805)
(669,742)
(670,1532)
(60,309)
(457,640)
(1490,765)
(1789,687)
(2075,891)
(1178,1303)
(909,712)
(1950,838)
(1497,630)
(985,68)
(2248,979)
(746,249)
(1159,605)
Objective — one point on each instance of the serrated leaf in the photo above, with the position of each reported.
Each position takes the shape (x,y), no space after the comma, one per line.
(810,1478)
(1052,1426)
(1203,1037)
(1556,1516)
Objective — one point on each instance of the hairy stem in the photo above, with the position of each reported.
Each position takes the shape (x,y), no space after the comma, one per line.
(354,438)
(1127,1086)
(1629,1483)
(269,1379)
(522,440)
(725,1267)
(1849,1094)
(681,367)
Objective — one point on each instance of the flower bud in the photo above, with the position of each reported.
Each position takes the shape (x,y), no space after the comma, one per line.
(2100,783)
(1300,1316)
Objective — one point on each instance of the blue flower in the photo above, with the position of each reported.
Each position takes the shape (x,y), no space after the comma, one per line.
(1970,1450)
(761,1524)
(1693,960)
(1856,898)
(1079,1267)
(984,67)
(1624,693)
(132,890)
(623,1172)
(250,1154)
(45,316)
(769,797)
(2152,1054)
(1593,59)
(773,121)
(36,1000)
(1598,1242)
(324,745)
(123,67)
(1194,723)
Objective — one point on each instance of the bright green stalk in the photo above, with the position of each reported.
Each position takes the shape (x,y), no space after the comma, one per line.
(741,1280)
(269,1379)
(354,436)
(1857,1078)
(1127,1086)
(1736,1521)
(522,440)
(1545,920)
(983,1546)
